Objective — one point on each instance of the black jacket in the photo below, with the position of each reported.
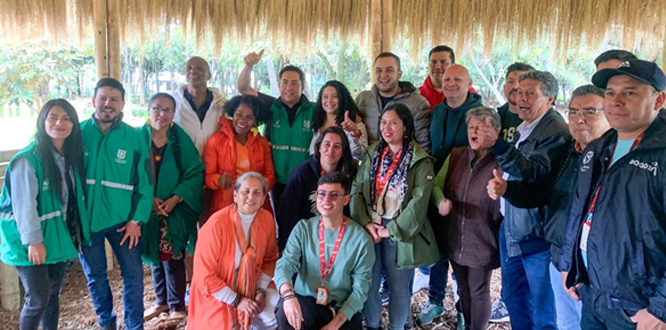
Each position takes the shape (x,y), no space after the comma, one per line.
(533,168)
(626,249)
(298,199)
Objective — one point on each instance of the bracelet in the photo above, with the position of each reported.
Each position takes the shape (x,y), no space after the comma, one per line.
(287,297)
(285,292)
(236,301)
(260,290)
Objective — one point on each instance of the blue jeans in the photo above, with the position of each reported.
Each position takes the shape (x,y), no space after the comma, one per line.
(170,284)
(399,282)
(526,288)
(568,310)
(596,314)
(439,276)
(93,261)
(42,295)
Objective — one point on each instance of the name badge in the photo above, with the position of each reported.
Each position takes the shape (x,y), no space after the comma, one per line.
(376,218)
(322,296)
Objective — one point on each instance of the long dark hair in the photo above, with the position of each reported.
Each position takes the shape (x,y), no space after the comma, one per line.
(172,131)
(346,163)
(346,103)
(405,116)
(72,148)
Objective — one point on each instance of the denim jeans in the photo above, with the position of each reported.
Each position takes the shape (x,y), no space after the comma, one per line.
(439,276)
(399,282)
(314,316)
(169,283)
(93,261)
(568,310)
(596,314)
(526,289)
(42,295)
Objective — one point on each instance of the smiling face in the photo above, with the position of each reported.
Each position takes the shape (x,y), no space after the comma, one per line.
(532,104)
(392,127)
(587,128)
(330,150)
(456,82)
(108,103)
(244,119)
(387,75)
(631,105)
(511,87)
(58,125)
(197,72)
(330,100)
(250,196)
(161,112)
(290,87)
(438,64)
(331,199)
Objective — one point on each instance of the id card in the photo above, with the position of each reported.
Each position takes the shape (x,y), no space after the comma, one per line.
(586,233)
(322,296)
(376,218)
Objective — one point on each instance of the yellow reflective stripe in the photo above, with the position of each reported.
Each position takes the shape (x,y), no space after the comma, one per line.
(117,185)
(292,148)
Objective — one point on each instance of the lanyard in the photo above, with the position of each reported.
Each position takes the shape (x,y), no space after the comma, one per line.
(610,161)
(322,251)
(380,181)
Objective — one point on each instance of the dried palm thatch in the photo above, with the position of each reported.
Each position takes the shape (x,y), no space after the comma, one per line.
(296,25)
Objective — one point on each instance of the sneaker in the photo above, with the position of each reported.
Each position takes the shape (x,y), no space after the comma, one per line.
(385,297)
(460,322)
(177,315)
(154,311)
(499,313)
(429,313)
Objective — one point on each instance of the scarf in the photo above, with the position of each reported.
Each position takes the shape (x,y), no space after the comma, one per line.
(246,281)
(399,176)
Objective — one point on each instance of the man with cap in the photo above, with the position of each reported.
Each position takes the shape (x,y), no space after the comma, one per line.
(618,214)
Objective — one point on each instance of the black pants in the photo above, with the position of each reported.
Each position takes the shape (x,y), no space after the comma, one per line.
(315,316)
(596,314)
(276,195)
(169,282)
(42,295)
(474,292)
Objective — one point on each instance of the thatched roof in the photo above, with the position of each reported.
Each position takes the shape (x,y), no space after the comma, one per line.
(296,24)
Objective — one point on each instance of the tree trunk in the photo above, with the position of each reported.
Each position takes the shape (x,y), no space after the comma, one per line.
(272,77)
(142,81)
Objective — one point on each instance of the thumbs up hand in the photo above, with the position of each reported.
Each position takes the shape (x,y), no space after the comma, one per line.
(349,125)
(496,186)
(253,58)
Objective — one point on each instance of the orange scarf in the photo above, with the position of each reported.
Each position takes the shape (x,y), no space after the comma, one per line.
(246,281)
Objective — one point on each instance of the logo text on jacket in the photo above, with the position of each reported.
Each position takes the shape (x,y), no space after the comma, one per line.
(652,168)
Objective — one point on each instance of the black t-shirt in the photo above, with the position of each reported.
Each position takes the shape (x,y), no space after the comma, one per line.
(201,111)
(385,100)
(510,123)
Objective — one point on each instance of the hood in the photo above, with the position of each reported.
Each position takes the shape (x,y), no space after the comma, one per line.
(406,89)
(473,100)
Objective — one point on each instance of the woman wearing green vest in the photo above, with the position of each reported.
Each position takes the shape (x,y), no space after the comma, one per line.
(178,172)
(43,219)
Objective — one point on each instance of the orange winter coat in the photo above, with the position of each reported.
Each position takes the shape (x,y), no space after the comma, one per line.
(214,265)
(220,157)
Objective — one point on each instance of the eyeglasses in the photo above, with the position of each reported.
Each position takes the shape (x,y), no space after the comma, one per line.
(332,195)
(586,113)
(158,109)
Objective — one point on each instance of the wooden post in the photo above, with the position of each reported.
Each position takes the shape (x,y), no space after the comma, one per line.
(375,31)
(113,37)
(100,26)
(387,25)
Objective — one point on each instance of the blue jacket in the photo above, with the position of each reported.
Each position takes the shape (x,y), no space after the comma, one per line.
(626,249)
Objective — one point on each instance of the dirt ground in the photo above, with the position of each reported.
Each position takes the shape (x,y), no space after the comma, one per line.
(76,310)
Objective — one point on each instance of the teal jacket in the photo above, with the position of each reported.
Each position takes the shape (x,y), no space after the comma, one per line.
(290,144)
(57,240)
(411,229)
(118,174)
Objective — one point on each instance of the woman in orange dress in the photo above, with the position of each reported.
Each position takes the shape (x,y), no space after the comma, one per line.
(234,263)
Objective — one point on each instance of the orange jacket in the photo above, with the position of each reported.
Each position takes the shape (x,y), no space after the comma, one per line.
(220,157)
(214,265)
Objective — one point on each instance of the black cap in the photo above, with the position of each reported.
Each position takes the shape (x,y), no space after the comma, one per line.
(643,71)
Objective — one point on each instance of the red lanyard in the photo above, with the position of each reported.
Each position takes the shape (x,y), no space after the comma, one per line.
(596,193)
(380,181)
(322,250)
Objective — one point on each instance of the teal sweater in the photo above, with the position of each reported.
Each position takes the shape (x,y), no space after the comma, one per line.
(350,278)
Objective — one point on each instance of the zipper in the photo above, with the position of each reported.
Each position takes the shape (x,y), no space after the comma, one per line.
(462,224)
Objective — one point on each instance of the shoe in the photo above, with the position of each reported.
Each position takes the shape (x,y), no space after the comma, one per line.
(429,313)
(176,315)
(154,311)
(109,327)
(499,313)
(460,322)
(386,296)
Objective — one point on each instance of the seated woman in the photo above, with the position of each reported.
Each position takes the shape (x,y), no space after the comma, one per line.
(234,262)
(332,153)
(336,107)
(43,218)
(329,296)
(176,206)
(390,198)
(471,220)
(237,148)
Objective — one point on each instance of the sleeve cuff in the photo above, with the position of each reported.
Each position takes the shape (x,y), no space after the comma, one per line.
(32,237)
(226,295)
(264,281)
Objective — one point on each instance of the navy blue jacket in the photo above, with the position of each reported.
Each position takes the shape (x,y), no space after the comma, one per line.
(533,168)
(626,249)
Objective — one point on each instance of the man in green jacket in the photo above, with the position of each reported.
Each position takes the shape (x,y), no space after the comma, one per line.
(290,129)
(119,198)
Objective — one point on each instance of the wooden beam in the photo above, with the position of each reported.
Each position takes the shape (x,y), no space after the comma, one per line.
(100,32)
(375,28)
(113,37)
(387,25)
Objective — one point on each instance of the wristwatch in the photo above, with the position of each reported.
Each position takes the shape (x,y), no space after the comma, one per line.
(136,222)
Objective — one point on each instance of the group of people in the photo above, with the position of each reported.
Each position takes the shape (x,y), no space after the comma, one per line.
(302,215)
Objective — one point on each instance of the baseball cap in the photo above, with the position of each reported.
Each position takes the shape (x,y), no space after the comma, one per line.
(643,71)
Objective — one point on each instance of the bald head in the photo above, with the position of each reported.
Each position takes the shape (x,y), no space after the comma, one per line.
(455,85)
(197,72)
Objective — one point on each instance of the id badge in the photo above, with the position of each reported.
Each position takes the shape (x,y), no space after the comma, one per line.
(586,233)
(376,218)
(322,296)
